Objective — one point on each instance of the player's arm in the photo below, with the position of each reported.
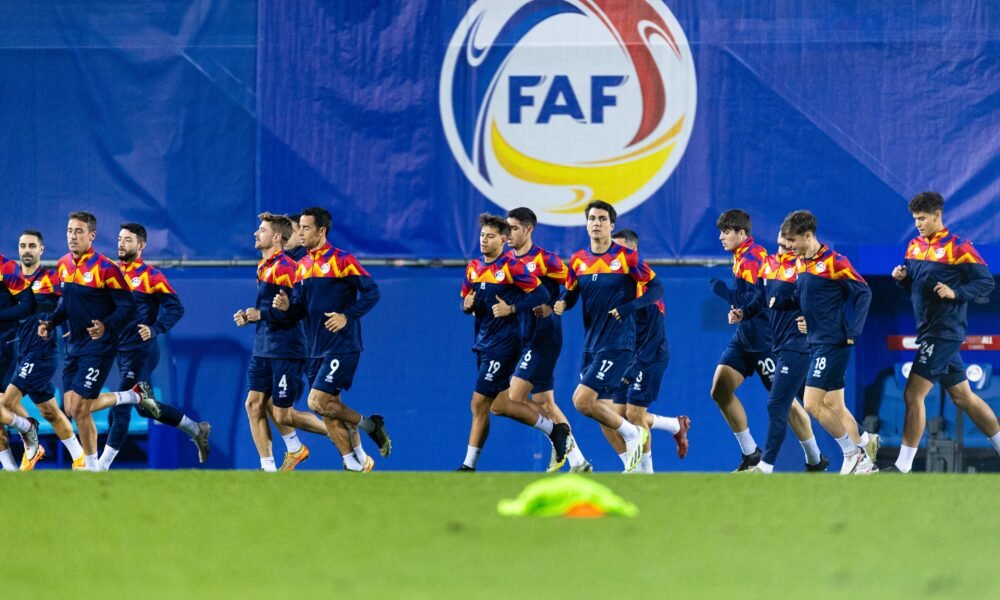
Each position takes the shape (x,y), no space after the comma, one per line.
(368,296)
(859,300)
(756,307)
(978,279)
(24,298)
(124,308)
(654,291)
(169,312)
(787,297)
(570,294)
(901,275)
(720,289)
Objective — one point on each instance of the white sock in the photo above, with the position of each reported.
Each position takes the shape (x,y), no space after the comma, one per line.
(471,456)
(90,460)
(624,457)
(905,460)
(544,425)
(668,424)
(352,462)
(188,426)
(292,443)
(21,424)
(7,460)
(628,431)
(267,464)
(763,467)
(846,445)
(575,457)
(107,457)
(73,447)
(811,450)
(995,440)
(863,439)
(360,454)
(126,397)
(646,462)
(747,445)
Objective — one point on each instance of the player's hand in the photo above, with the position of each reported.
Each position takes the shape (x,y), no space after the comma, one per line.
(145,332)
(468,302)
(559,307)
(801,322)
(44,328)
(735,316)
(850,341)
(899,273)
(631,374)
(502,309)
(252,314)
(240,318)
(614,313)
(542,311)
(944,291)
(335,322)
(96,329)
(280,301)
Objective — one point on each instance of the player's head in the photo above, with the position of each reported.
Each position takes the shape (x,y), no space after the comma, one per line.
(734,228)
(600,219)
(80,232)
(30,247)
(627,238)
(799,232)
(927,209)
(314,226)
(273,232)
(294,241)
(783,247)
(493,232)
(522,221)
(131,241)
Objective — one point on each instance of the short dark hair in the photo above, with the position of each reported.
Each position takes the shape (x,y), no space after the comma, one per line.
(34,232)
(524,215)
(498,223)
(628,235)
(294,219)
(137,229)
(86,217)
(280,223)
(798,223)
(320,215)
(601,204)
(927,202)
(736,219)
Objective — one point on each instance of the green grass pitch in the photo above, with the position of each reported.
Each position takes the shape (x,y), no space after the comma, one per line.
(186,534)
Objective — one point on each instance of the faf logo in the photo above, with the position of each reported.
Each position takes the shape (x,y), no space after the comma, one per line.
(554,103)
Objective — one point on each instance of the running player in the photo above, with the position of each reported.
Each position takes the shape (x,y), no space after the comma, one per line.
(158,309)
(834,300)
(791,356)
(277,366)
(641,382)
(495,289)
(542,331)
(36,363)
(16,302)
(943,273)
(97,304)
(606,276)
(749,350)
(332,293)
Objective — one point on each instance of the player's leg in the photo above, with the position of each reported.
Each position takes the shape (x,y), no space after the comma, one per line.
(120,415)
(516,405)
(617,405)
(260,429)
(479,430)
(603,373)
(636,414)
(916,390)
(780,399)
(336,416)
(726,380)
(335,375)
(980,412)
(801,424)
(28,428)
(287,383)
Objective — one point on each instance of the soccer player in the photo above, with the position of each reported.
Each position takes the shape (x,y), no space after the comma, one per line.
(277,366)
(332,293)
(294,247)
(943,273)
(606,276)
(641,382)
(749,350)
(496,288)
(791,356)
(158,309)
(834,300)
(541,330)
(36,363)
(16,302)
(97,304)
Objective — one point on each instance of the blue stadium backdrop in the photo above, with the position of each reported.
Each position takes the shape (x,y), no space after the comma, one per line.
(409,118)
